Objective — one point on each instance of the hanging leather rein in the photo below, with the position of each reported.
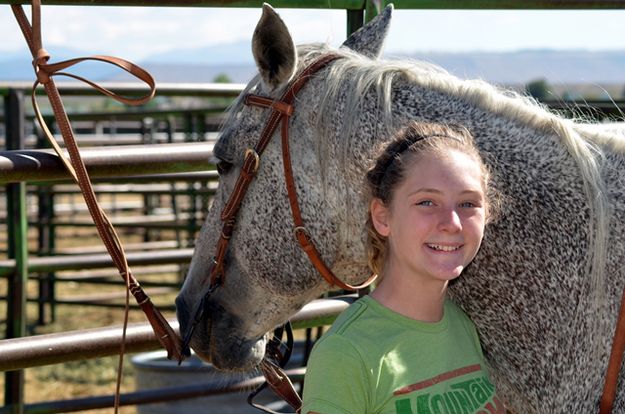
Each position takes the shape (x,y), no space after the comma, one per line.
(45,72)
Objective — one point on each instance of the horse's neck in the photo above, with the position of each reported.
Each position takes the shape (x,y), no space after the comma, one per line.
(346,184)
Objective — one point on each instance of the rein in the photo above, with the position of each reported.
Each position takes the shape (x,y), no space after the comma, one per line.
(45,72)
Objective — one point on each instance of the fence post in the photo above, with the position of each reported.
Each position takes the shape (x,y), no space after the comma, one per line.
(355,20)
(17,249)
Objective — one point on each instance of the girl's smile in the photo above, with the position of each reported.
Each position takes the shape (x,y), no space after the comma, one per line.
(435,221)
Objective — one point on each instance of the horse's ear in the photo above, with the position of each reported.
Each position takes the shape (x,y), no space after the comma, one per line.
(369,39)
(273,49)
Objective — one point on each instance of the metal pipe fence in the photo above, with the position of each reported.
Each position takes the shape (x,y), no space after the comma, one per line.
(28,352)
(33,351)
(168,156)
(353,5)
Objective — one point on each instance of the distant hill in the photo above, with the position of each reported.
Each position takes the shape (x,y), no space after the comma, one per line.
(236,53)
(17,66)
(578,66)
(194,73)
(235,60)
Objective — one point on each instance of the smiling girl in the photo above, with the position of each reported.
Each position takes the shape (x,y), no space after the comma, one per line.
(406,348)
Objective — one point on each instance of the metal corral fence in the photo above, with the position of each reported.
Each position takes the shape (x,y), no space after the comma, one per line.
(159,156)
(152,166)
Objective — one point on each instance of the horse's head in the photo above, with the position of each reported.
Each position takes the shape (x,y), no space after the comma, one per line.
(267,277)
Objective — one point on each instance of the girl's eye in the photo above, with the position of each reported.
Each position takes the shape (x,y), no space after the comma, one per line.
(425,203)
(469,204)
(223,167)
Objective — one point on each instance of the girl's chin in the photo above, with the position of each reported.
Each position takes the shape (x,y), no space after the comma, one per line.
(449,274)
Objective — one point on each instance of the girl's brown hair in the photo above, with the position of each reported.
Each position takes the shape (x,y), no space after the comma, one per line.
(408,145)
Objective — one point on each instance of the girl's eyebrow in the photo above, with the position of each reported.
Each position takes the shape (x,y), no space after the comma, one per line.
(437,191)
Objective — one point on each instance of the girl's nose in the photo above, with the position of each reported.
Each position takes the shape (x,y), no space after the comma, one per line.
(449,220)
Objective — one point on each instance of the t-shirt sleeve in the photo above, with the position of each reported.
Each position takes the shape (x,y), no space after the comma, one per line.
(336,379)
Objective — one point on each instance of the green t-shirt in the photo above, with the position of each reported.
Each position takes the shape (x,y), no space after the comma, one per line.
(374,360)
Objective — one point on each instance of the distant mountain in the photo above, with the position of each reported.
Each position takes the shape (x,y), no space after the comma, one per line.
(555,66)
(17,66)
(173,72)
(235,61)
(237,53)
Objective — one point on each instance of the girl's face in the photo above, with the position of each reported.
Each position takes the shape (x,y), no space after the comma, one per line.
(435,221)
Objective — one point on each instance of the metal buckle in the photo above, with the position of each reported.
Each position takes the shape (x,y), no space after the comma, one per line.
(256,158)
(303,230)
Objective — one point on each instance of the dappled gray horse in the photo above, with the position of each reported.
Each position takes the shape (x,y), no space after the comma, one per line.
(544,289)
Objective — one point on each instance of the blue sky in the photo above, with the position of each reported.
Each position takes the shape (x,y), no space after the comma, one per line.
(134,33)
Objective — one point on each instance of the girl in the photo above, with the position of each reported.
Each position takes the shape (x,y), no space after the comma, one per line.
(405,348)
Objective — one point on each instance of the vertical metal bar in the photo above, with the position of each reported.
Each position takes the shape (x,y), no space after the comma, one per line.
(201,119)
(45,248)
(373,8)
(355,20)
(18,249)
(44,240)
(148,136)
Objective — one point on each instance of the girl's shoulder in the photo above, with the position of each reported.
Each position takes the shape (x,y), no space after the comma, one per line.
(459,318)
(351,318)
(355,327)
(452,310)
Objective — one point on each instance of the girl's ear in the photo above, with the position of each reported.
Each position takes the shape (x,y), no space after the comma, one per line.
(379,217)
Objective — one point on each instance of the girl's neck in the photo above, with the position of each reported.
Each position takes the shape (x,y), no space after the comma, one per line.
(418,301)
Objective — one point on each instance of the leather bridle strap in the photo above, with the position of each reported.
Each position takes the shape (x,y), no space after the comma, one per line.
(251,163)
(615,362)
(277,355)
(45,72)
(283,110)
(300,232)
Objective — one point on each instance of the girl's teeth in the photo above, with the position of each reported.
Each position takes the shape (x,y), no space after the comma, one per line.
(443,248)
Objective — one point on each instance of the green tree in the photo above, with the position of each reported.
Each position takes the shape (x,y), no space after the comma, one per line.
(538,89)
(222,78)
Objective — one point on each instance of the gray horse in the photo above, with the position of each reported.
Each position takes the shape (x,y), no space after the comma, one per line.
(545,287)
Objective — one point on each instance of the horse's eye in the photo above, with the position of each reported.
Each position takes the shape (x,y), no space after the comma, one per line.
(223,167)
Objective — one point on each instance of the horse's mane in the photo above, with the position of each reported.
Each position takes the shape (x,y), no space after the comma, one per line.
(360,75)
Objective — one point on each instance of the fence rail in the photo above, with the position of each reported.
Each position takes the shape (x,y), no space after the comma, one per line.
(33,351)
(128,160)
(205,90)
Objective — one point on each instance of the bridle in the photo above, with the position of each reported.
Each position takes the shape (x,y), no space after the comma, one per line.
(281,111)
